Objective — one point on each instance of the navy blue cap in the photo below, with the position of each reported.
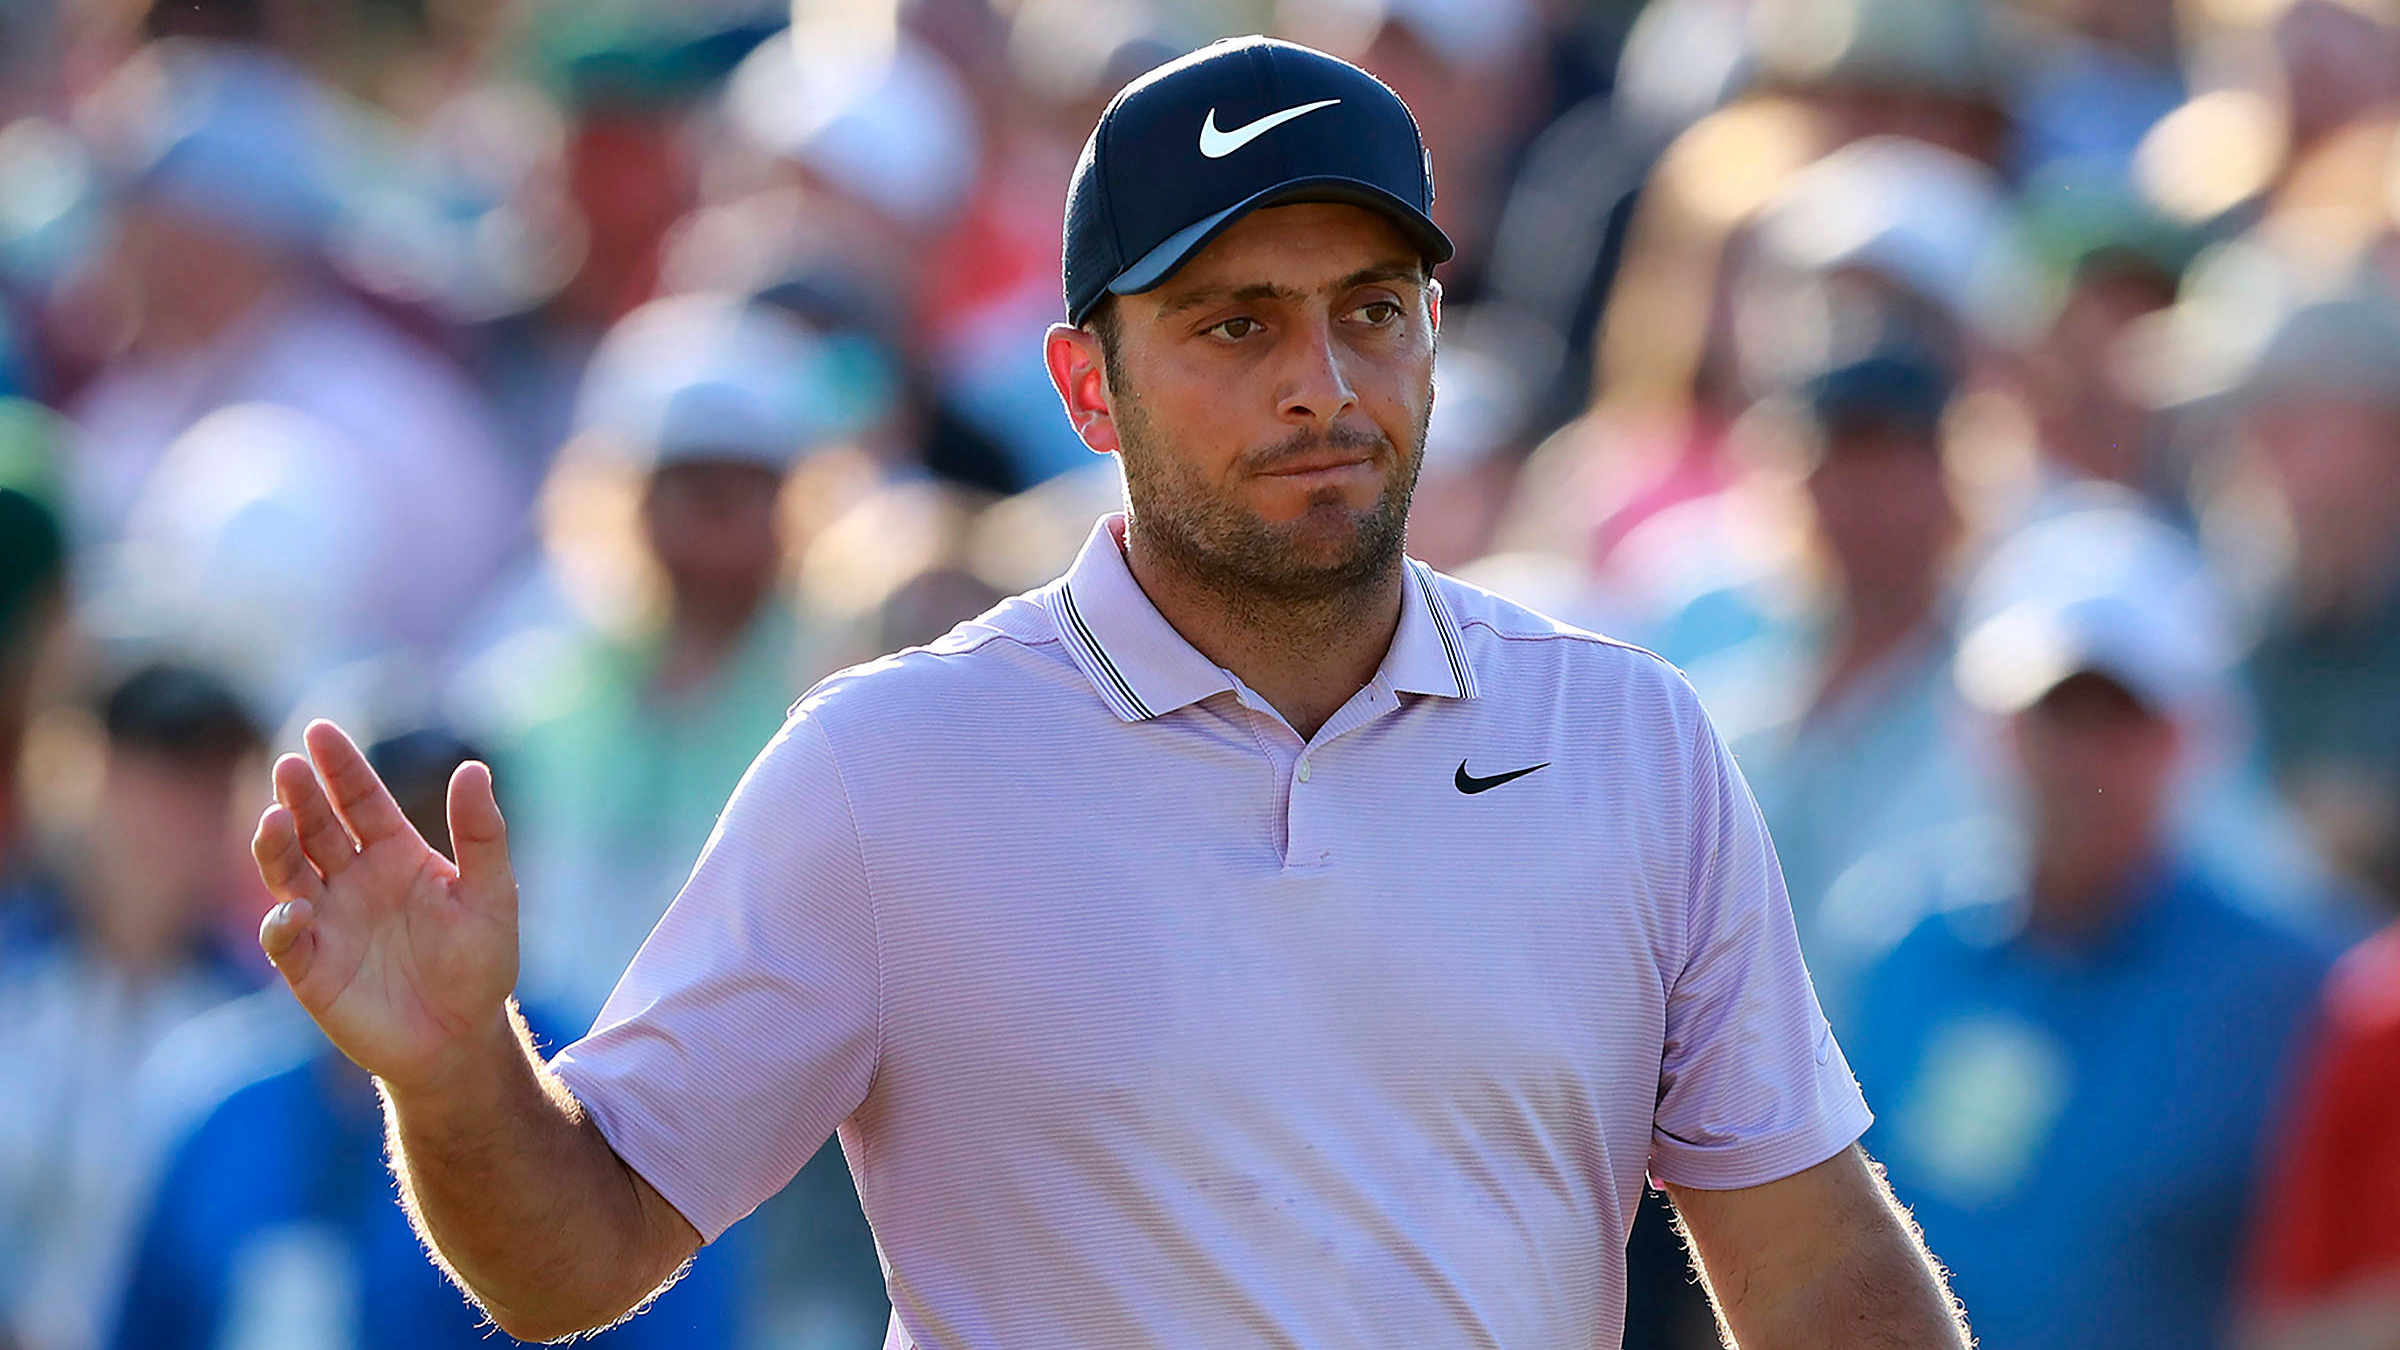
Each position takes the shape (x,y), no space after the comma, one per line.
(1888,387)
(1193,146)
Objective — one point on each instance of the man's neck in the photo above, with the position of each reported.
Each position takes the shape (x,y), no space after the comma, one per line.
(1870,629)
(1305,658)
(699,641)
(2078,894)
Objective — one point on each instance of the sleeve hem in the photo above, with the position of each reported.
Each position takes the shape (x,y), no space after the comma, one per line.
(1755,1162)
(650,1158)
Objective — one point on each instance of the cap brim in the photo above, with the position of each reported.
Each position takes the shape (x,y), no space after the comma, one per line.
(1152,269)
(2015,659)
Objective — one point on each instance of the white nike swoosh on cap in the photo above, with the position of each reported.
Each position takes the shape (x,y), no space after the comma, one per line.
(1218,144)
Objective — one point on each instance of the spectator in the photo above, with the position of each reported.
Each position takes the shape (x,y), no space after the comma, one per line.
(274,1223)
(2327,1246)
(1618,516)
(1927,70)
(631,737)
(2115,265)
(638,725)
(876,153)
(228,162)
(140,954)
(2076,1054)
(1842,708)
(2320,414)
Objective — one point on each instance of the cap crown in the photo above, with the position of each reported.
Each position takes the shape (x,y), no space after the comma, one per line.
(1185,148)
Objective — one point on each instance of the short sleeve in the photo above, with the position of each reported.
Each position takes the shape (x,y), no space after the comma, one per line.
(746,1029)
(1751,1086)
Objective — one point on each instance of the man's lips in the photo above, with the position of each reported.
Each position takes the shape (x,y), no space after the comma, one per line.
(1318,463)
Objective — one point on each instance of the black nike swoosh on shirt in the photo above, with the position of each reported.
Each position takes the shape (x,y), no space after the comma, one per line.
(1470,784)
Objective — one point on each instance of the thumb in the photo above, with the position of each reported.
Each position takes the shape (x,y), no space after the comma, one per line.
(478,835)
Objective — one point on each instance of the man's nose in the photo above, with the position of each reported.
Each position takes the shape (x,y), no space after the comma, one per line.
(1315,387)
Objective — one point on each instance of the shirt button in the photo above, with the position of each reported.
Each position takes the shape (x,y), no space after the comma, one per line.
(1304,771)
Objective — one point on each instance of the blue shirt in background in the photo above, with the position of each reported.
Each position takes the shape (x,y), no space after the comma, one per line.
(2076,1128)
(275,1224)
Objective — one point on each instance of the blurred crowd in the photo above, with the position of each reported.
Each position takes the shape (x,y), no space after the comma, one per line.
(1992,405)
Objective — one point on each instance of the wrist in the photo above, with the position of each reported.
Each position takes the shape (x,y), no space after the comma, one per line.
(470,1076)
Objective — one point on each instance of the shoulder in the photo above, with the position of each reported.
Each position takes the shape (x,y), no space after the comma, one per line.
(1955,886)
(1519,643)
(1004,650)
(2218,922)
(999,671)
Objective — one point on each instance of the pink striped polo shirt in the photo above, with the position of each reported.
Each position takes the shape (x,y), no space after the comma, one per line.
(1145,1022)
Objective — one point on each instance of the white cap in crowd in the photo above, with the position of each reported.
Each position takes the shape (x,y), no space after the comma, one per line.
(713,377)
(890,127)
(2102,587)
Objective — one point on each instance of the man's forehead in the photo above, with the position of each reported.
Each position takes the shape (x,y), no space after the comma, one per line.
(1298,250)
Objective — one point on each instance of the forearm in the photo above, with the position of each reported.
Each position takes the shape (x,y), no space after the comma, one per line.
(1883,1292)
(1824,1259)
(521,1199)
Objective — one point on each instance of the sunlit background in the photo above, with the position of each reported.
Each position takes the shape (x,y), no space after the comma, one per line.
(1994,408)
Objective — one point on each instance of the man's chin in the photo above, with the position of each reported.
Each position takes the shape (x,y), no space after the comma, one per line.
(1331,545)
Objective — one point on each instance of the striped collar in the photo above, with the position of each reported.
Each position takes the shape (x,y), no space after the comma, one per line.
(1143,668)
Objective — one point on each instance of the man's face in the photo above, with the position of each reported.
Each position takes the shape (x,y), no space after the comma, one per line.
(712,526)
(149,901)
(1269,402)
(1882,505)
(2095,763)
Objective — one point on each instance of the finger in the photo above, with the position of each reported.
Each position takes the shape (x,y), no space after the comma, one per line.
(478,834)
(288,936)
(358,795)
(320,832)
(282,863)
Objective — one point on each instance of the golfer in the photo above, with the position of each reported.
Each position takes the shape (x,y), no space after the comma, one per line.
(1252,938)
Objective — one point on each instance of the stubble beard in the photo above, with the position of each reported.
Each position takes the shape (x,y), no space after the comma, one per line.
(1265,570)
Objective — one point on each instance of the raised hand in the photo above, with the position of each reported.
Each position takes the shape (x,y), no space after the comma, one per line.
(405,959)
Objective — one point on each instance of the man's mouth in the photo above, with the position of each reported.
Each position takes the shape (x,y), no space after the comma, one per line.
(1318,462)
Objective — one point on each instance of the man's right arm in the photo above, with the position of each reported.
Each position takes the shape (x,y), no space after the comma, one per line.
(406,961)
(522,1201)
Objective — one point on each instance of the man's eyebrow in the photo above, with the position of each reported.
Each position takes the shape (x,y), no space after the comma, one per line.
(1212,295)
(1395,270)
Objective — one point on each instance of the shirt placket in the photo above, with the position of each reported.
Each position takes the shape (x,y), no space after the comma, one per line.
(1313,795)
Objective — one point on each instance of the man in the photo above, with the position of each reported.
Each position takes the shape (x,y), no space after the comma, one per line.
(1250,939)
(142,948)
(1842,713)
(2077,1054)
(632,735)
(228,184)
(621,740)
(2318,414)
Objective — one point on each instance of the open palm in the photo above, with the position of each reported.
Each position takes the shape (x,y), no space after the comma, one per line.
(404,959)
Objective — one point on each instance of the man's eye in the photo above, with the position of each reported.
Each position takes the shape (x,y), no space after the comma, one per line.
(1234,328)
(1378,312)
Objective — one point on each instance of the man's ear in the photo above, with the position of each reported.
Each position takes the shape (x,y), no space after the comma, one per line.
(1433,303)
(1081,378)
